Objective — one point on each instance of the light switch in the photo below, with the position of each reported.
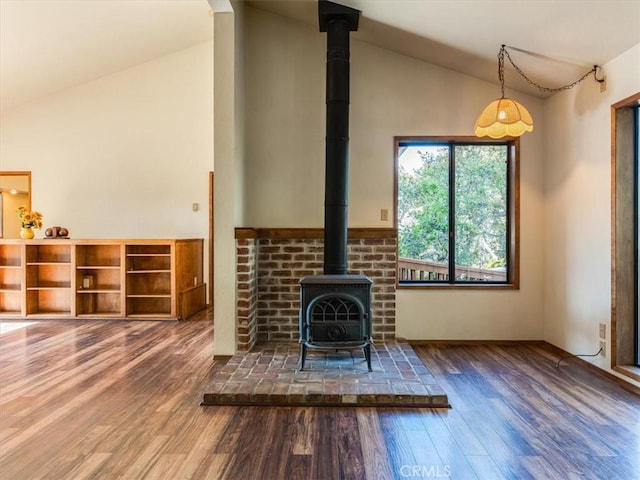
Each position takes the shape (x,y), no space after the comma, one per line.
(384,214)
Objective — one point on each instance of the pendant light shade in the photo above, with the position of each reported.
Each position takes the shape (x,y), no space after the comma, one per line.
(503,117)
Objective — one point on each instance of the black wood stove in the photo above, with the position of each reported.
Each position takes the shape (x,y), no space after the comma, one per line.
(335,313)
(335,308)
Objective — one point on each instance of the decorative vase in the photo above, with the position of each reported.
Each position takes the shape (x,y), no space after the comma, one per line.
(27,233)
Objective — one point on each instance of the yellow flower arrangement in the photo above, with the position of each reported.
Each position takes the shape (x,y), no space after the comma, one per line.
(29,219)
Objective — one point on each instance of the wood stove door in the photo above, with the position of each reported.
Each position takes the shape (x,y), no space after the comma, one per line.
(336,318)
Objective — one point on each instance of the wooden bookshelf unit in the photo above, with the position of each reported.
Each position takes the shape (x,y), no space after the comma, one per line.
(142,279)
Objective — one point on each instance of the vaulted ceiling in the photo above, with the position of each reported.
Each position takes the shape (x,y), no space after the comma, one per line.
(554,41)
(50,45)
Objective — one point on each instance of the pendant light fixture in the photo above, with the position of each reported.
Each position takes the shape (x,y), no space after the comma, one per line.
(505,117)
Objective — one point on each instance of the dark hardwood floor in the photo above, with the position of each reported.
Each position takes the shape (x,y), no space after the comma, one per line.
(107,400)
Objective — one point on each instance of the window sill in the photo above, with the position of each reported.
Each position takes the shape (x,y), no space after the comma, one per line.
(630,371)
(457,286)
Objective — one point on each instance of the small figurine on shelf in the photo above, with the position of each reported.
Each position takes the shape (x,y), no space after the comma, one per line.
(56,232)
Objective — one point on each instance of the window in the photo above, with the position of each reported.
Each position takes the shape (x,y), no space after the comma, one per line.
(457,211)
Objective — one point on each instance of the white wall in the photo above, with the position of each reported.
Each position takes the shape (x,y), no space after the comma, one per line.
(578,208)
(285,112)
(390,95)
(124,156)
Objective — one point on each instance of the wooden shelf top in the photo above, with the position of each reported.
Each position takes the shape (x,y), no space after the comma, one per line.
(98,267)
(150,295)
(35,264)
(149,271)
(99,290)
(49,287)
(99,241)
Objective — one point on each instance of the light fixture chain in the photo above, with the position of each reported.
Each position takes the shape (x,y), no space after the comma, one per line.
(501,68)
(503,51)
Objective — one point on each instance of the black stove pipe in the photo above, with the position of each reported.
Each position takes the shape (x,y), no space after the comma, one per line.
(338,21)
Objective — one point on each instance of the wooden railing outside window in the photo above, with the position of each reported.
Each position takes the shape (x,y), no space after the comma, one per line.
(420,270)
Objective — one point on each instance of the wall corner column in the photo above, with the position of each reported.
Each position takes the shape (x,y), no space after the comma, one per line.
(225,311)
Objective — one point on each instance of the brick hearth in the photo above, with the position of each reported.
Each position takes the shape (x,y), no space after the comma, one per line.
(270,375)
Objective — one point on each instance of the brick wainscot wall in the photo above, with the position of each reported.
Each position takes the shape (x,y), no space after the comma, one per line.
(271,262)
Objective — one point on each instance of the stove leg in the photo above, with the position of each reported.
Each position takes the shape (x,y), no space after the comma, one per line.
(367,354)
(303,354)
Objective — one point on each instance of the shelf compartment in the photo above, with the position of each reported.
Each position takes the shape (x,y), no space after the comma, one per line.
(44,254)
(98,278)
(91,256)
(99,303)
(49,302)
(10,256)
(149,249)
(148,306)
(48,276)
(156,283)
(10,288)
(10,303)
(146,263)
(10,278)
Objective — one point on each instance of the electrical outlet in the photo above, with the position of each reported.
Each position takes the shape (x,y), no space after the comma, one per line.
(603,85)
(603,348)
(603,330)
